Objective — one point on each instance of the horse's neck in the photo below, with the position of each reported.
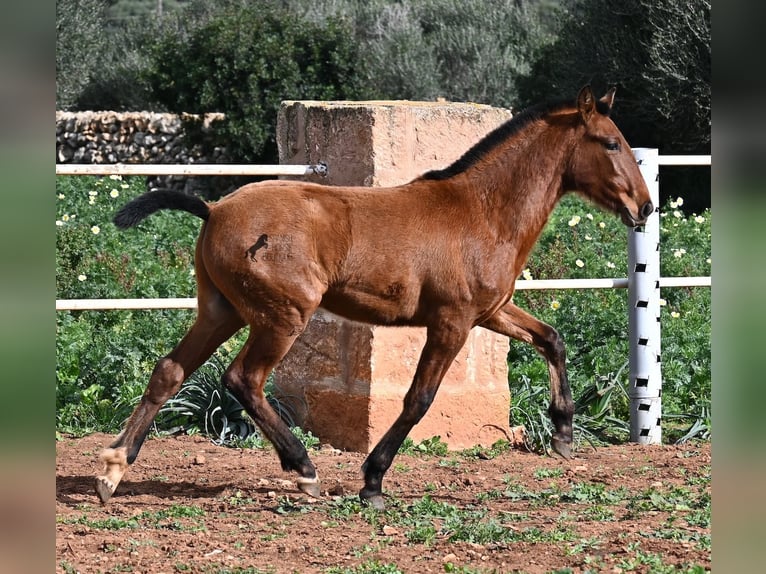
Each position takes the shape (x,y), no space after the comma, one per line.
(520,185)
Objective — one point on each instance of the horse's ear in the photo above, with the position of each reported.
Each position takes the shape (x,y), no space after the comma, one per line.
(586,103)
(608,99)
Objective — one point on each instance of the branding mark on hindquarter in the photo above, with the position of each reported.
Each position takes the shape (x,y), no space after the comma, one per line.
(262,243)
(277,248)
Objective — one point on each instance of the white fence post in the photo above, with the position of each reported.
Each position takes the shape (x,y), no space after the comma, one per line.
(645,388)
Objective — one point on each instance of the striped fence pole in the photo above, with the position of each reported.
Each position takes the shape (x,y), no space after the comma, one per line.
(645,385)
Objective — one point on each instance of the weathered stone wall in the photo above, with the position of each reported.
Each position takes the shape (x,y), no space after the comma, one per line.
(131,137)
(139,137)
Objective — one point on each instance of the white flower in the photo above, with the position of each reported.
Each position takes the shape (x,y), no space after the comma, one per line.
(699,219)
(610,265)
(588,237)
(61,196)
(65,217)
(580,263)
(677,214)
(115,177)
(93,193)
(95,230)
(527,274)
(675,314)
(124,186)
(679,252)
(601,224)
(555,304)
(677,203)
(574,221)
(59,223)
(708,261)
(81,277)
(114,193)
(663,302)
(589,216)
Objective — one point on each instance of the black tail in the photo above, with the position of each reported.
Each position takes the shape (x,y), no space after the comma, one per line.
(135,211)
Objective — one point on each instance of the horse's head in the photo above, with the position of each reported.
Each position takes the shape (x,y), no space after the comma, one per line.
(603,167)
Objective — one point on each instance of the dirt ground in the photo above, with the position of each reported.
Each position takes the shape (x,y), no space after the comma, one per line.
(187,505)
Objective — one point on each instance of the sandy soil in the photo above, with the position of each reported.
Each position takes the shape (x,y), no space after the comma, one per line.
(187,505)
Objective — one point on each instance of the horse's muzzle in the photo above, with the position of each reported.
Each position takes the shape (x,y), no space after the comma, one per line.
(627,218)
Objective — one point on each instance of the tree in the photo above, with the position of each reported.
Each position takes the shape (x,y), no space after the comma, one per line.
(462,51)
(657,53)
(243,61)
(79,41)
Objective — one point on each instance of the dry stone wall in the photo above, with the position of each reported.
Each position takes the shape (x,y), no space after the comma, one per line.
(138,137)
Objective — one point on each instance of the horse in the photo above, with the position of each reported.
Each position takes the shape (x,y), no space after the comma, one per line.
(270,253)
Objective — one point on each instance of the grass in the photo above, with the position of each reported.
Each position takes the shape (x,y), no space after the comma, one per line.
(175,517)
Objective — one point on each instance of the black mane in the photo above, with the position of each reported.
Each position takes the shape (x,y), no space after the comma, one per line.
(497,136)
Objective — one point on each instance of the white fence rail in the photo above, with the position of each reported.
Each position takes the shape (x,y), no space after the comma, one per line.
(643,281)
(521,285)
(187,169)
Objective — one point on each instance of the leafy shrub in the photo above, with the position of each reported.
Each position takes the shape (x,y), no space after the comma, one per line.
(79,40)
(104,358)
(243,62)
(581,242)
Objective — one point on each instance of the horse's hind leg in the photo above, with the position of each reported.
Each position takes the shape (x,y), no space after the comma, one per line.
(513,322)
(246,378)
(216,322)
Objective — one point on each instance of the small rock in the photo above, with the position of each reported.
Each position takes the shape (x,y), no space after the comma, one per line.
(390,530)
(337,490)
(449,558)
(199,459)
(329,449)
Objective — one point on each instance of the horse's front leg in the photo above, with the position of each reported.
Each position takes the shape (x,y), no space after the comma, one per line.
(512,321)
(442,345)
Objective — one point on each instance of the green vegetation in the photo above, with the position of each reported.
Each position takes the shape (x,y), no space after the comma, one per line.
(104,358)
(580,242)
(243,62)
(175,517)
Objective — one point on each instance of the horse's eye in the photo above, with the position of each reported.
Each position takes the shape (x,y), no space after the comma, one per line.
(612,146)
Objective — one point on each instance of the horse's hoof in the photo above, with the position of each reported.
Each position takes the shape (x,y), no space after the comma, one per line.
(104,489)
(562,448)
(374,500)
(309,486)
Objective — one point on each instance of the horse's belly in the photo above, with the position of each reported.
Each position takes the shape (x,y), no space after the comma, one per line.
(389,307)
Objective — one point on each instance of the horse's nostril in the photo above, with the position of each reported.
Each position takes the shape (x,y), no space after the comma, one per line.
(647,209)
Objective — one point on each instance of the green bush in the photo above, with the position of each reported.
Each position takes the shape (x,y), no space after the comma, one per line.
(243,62)
(461,51)
(582,242)
(104,358)
(80,39)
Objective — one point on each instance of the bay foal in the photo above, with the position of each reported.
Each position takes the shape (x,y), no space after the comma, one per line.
(441,252)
